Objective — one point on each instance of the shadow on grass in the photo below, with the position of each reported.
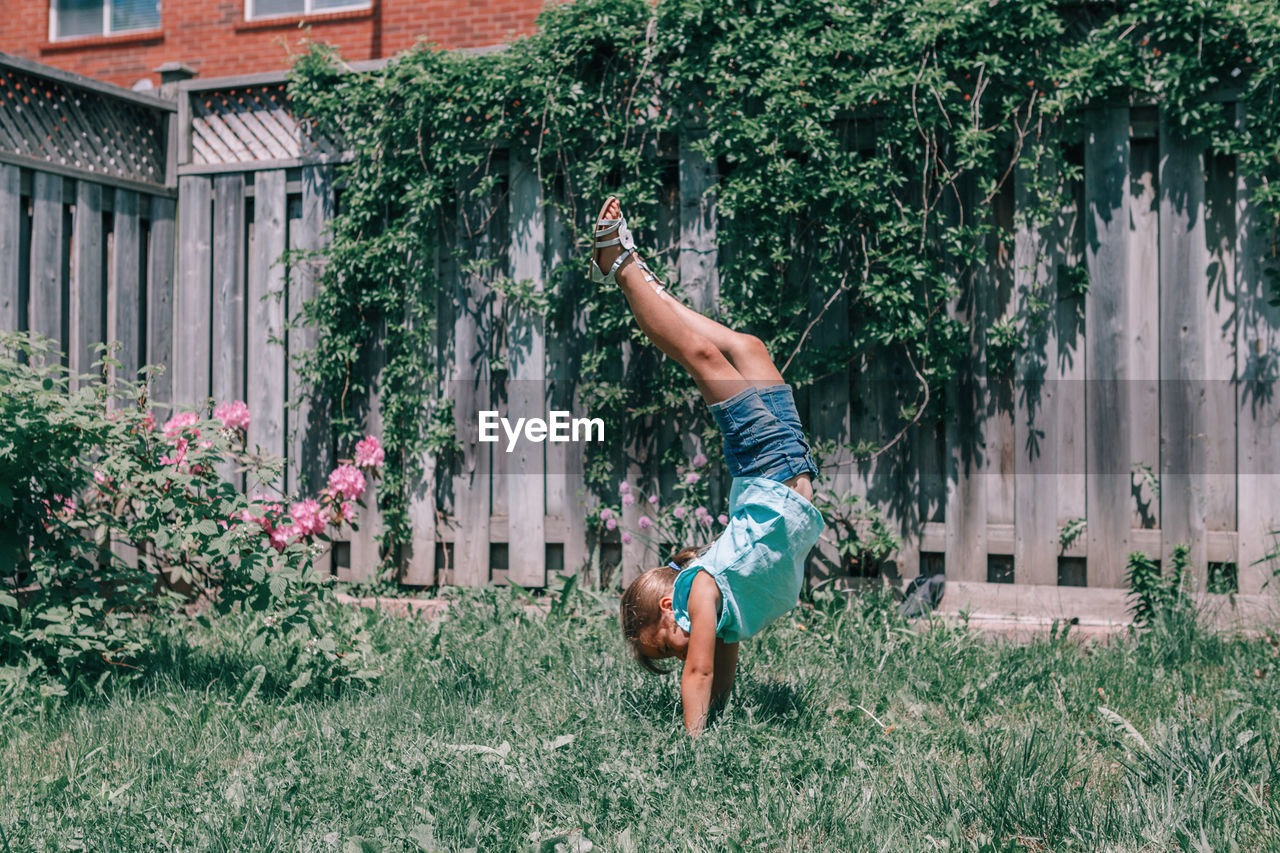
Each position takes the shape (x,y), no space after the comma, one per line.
(771,701)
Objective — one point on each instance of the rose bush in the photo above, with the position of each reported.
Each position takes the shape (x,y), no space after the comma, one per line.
(111,529)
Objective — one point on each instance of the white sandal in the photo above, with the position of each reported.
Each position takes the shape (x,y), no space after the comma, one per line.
(605,227)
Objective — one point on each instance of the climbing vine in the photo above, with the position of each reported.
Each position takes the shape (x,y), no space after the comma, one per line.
(861,149)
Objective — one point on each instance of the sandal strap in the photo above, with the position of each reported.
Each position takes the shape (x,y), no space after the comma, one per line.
(618,263)
(600,244)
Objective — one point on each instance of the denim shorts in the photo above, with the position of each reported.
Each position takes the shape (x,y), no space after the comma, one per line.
(762,434)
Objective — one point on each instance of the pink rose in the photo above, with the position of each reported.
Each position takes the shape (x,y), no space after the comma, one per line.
(233,414)
(678,512)
(701,512)
(307,517)
(347,482)
(369,453)
(692,477)
(628,500)
(722,518)
(699,460)
(653,500)
(624,488)
(178,423)
(611,523)
(626,538)
(645,522)
(606,514)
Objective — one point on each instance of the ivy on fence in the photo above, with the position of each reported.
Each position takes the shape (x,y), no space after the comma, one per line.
(859,148)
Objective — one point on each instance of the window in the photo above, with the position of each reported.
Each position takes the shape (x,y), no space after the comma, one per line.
(275,8)
(80,18)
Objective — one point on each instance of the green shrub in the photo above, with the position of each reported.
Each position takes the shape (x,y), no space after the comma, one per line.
(110,527)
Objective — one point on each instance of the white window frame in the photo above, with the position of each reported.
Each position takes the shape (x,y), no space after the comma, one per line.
(307,9)
(106,23)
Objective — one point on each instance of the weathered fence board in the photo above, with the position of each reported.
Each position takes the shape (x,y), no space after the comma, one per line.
(265,355)
(1107,404)
(1141,381)
(45,293)
(124,293)
(229,306)
(193,299)
(88,280)
(527,395)
(1257,363)
(310,459)
(1184,334)
(160,272)
(966,457)
(470,387)
(11,215)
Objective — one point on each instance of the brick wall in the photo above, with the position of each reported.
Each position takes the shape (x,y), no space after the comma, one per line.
(213,37)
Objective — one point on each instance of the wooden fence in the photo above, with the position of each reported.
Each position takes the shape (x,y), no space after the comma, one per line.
(1137,418)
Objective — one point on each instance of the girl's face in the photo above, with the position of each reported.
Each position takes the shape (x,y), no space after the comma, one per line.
(666,639)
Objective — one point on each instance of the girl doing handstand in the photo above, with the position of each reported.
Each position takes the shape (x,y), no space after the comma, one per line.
(703,603)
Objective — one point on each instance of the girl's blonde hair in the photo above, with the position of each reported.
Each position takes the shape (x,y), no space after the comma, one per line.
(641,603)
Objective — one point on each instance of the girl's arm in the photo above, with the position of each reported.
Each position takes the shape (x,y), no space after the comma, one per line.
(726,666)
(701,658)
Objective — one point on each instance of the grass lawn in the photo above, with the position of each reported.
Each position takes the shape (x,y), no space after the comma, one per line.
(498,729)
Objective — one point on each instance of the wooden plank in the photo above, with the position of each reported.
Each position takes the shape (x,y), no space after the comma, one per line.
(470,387)
(1184,331)
(88,284)
(10,229)
(1037,254)
(366,553)
(998,432)
(227,377)
(264,335)
(1219,306)
(1107,404)
(45,297)
(1141,383)
(310,458)
(193,297)
(417,559)
(229,306)
(966,506)
(566,490)
(160,302)
(1257,405)
(527,387)
(124,295)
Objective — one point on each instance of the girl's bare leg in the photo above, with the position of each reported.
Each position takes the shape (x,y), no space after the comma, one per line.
(745,352)
(715,375)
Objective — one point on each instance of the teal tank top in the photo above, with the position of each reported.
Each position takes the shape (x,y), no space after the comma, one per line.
(757,561)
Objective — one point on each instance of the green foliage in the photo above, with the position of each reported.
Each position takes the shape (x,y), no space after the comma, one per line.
(861,148)
(110,529)
(1164,613)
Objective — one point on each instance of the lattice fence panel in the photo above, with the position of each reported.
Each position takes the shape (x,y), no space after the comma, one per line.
(249,124)
(53,121)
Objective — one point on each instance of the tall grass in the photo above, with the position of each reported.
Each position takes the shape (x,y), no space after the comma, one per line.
(501,729)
